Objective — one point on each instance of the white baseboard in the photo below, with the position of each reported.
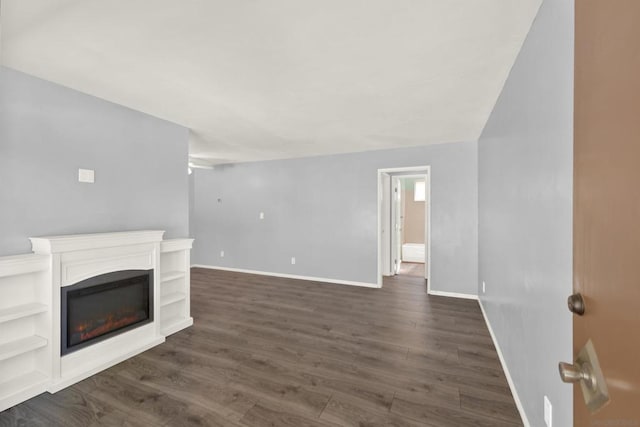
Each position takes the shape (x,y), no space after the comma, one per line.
(452,294)
(290,276)
(505,368)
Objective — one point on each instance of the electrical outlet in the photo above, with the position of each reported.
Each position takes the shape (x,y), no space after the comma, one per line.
(221,254)
(261,215)
(86,175)
(548,412)
(484,287)
(293,260)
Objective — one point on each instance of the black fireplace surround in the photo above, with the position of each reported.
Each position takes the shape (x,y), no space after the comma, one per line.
(104,306)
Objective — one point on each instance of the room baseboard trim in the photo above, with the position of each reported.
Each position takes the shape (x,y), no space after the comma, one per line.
(290,276)
(505,368)
(452,294)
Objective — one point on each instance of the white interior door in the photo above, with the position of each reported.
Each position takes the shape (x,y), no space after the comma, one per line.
(386,224)
(396,221)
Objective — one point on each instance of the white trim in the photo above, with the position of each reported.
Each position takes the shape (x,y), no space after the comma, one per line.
(174,245)
(397,211)
(384,222)
(289,276)
(23,264)
(413,175)
(505,368)
(422,171)
(79,242)
(452,294)
(427,242)
(405,169)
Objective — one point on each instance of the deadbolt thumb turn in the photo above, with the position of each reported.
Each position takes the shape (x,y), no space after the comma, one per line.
(586,371)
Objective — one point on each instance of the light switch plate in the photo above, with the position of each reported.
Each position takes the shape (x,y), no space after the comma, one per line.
(86,175)
(548,412)
(261,215)
(293,260)
(221,254)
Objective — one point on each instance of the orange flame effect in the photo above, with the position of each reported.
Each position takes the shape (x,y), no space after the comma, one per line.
(88,330)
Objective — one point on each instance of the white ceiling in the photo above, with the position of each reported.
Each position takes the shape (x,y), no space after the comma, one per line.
(272,79)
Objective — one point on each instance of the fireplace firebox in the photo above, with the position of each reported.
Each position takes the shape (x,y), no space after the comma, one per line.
(104,306)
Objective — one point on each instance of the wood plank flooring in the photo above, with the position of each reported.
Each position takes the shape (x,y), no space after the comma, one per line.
(267,351)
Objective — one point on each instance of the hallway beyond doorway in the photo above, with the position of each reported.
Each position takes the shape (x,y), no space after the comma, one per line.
(415,269)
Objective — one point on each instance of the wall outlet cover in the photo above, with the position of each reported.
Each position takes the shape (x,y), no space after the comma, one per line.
(221,254)
(86,175)
(261,215)
(484,287)
(293,260)
(548,412)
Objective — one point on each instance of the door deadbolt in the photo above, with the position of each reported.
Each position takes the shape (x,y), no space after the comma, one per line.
(586,371)
(575,303)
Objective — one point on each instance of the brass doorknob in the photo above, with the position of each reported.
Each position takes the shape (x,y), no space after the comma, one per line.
(576,304)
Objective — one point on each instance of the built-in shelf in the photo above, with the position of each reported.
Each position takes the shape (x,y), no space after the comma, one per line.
(175,308)
(25,381)
(20,311)
(172,297)
(21,346)
(17,265)
(30,283)
(25,297)
(172,275)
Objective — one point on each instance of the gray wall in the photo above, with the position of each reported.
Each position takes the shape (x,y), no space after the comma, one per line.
(525,214)
(47,132)
(323,211)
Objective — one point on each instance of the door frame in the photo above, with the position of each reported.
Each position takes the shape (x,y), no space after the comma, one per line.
(421,171)
(397,224)
(385,206)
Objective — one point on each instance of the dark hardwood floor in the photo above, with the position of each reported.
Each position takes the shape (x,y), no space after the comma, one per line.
(267,351)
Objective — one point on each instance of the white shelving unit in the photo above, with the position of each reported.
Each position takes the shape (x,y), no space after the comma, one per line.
(175,283)
(30,359)
(25,327)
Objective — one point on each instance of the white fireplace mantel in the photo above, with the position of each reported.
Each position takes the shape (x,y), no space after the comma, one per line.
(30,314)
(78,257)
(79,242)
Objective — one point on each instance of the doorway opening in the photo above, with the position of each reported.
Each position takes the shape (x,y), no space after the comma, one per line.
(404,212)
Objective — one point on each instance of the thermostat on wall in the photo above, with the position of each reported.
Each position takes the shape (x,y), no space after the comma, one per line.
(86,175)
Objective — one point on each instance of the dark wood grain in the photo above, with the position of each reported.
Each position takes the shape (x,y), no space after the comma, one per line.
(267,351)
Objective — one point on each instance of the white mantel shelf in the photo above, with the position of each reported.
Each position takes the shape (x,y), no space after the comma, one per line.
(60,261)
(78,242)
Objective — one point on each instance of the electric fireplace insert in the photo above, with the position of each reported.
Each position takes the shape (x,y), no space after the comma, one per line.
(104,306)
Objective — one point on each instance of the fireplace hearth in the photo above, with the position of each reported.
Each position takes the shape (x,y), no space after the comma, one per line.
(104,306)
